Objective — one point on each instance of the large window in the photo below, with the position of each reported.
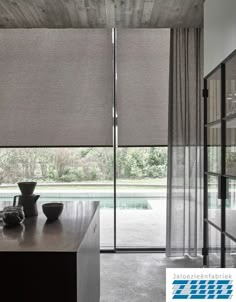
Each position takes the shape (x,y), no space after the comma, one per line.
(66,174)
(91,87)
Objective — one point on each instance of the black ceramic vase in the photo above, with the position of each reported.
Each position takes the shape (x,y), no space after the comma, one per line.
(27,187)
(27,199)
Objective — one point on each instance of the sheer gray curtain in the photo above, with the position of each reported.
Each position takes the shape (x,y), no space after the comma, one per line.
(185,172)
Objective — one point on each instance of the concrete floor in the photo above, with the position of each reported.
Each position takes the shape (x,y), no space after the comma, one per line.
(135,227)
(138,277)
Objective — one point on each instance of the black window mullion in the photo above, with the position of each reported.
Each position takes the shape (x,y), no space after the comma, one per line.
(205,197)
(115,125)
(223,179)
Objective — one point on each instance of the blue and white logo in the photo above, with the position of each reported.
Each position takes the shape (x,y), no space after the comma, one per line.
(202,289)
(200,284)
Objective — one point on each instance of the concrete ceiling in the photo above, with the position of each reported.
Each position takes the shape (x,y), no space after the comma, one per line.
(100,13)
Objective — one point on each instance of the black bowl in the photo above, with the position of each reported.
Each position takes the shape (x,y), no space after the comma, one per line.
(27,187)
(52,210)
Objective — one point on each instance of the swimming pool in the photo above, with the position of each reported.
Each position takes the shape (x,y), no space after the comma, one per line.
(137,203)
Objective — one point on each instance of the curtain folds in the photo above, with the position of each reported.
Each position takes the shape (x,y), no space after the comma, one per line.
(185,141)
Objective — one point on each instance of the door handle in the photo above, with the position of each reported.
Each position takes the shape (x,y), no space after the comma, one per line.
(222,188)
(94,228)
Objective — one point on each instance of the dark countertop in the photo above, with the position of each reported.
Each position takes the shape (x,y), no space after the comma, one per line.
(62,235)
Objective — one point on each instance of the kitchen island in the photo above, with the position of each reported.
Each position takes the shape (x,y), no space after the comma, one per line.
(58,261)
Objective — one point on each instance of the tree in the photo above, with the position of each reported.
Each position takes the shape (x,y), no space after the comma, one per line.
(63,158)
(80,164)
(157,162)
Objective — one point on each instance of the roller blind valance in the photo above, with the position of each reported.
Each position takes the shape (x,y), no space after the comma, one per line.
(56,87)
(142,86)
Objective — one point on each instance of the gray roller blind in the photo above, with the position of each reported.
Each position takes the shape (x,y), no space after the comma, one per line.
(55,87)
(142,86)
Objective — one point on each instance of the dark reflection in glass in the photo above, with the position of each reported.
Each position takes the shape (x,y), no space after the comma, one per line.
(214,204)
(214,148)
(231,147)
(214,97)
(230,253)
(214,243)
(230,222)
(230,88)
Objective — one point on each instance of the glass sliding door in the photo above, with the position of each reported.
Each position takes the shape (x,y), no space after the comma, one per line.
(142,108)
(141,197)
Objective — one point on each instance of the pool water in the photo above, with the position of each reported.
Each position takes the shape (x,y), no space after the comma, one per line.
(105,202)
(126,203)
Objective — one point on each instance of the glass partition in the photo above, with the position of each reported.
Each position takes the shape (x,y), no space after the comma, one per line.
(214,97)
(214,148)
(214,247)
(230,86)
(230,253)
(220,164)
(213,169)
(230,221)
(231,147)
(214,203)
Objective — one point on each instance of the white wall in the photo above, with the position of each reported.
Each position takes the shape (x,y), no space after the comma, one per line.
(219,31)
